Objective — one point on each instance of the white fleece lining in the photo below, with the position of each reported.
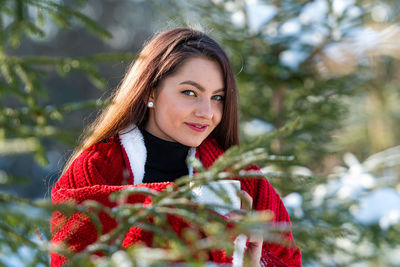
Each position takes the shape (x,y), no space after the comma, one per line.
(191,154)
(133,143)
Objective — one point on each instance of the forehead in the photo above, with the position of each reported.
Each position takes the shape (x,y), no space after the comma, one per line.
(203,71)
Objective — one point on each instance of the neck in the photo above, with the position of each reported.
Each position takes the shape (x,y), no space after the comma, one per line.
(166,160)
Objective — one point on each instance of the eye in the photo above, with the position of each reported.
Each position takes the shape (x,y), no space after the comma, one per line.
(220,98)
(188,92)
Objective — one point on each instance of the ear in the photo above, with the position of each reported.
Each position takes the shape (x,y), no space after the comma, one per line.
(152,96)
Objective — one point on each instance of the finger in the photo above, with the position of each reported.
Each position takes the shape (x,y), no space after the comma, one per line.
(257,234)
(247,200)
(254,251)
(233,216)
(256,238)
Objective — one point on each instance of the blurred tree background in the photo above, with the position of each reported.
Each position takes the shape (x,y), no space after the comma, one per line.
(333,63)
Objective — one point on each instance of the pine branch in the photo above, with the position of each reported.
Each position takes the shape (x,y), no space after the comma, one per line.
(62,14)
(8,231)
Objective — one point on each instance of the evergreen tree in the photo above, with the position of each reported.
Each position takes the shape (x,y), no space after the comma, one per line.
(26,121)
(317,60)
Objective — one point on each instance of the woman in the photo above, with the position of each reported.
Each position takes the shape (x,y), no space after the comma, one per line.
(179,97)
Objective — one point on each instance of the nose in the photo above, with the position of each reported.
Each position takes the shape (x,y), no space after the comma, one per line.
(204,109)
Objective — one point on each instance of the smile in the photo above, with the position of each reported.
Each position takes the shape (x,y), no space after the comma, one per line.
(197,126)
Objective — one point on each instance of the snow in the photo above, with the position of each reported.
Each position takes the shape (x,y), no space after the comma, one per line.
(293,203)
(257,127)
(300,170)
(293,200)
(390,218)
(238,18)
(292,58)
(347,183)
(381,12)
(291,27)
(313,37)
(364,39)
(259,14)
(320,192)
(386,159)
(355,180)
(18,259)
(314,12)
(374,203)
(380,206)
(393,255)
(340,6)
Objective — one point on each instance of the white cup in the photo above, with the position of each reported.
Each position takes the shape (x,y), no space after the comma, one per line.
(205,195)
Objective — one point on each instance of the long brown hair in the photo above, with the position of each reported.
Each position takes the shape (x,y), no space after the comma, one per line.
(158,59)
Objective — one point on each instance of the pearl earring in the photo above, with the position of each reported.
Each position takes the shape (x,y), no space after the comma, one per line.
(150,104)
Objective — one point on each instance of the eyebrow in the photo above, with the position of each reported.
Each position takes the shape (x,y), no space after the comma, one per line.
(201,88)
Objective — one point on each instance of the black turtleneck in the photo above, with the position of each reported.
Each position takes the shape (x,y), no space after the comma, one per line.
(166,161)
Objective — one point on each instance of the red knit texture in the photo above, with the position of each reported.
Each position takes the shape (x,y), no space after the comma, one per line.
(104,168)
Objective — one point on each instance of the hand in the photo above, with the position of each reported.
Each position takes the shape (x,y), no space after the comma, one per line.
(255,242)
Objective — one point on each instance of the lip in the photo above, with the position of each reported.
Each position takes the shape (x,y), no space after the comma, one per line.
(198,127)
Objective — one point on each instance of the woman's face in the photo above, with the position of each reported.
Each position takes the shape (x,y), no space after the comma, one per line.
(188,104)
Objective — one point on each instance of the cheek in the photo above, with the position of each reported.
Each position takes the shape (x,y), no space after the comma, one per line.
(171,111)
(218,115)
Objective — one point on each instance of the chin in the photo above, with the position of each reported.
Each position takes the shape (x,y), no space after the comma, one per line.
(192,143)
